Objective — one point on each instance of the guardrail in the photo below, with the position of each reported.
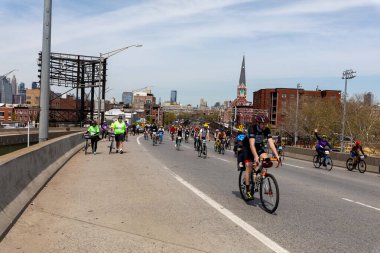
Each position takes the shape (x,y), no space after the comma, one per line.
(23,173)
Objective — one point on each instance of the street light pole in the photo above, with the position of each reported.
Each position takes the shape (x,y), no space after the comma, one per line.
(347,74)
(102,59)
(299,86)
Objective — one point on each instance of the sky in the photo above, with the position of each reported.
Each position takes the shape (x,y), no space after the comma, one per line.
(196,46)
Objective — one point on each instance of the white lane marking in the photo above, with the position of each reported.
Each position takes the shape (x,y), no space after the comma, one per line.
(138,140)
(224,160)
(248,228)
(293,165)
(359,203)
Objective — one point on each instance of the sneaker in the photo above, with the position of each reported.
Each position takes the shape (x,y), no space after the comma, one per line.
(117,151)
(95,153)
(241,165)
(121,152)
(249,195)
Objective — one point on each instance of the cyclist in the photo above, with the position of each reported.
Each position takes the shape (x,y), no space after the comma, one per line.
(228,137)
(93,131)
(161,132)
(238,147)
(187,134)
(153,131)
(119,129)
(221,138)
(356,148)
(204,133)
(179,134)
(254,147)
(196,138)
(321,145)
(172,131)
(104,129)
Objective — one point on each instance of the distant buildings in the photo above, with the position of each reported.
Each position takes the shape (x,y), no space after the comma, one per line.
(203,104)
(173,97)
(5,90)
(368,99)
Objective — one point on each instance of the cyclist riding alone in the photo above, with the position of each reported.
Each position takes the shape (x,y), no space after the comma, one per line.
(321,145)
(119,129)
(254,147)
(93,131)
(356,148)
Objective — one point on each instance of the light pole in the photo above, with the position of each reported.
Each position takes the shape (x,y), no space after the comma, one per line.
(347,74)
(299,86)
(102,58)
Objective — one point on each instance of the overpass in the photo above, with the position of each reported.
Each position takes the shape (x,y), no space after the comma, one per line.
(149,199)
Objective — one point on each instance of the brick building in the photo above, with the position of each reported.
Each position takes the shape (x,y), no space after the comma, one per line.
(6,114)
(279,101)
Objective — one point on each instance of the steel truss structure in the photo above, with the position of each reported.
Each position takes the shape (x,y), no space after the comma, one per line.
(80,73)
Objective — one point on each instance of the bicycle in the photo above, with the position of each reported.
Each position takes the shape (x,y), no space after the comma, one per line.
(360,165)
(196,143)
(154,138)
(112,139)
(221,147)
(325,160)
(202,151)
(280,152)
(86,137)
(228,143)
(261,180)
(178,142)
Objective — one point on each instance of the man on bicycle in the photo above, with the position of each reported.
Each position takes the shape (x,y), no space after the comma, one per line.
(321,145)
(356,148)
(254,147)
(204,133)
(179,134)
(118,128)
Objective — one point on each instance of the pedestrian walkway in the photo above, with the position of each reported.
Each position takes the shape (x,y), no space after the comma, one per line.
(122,203)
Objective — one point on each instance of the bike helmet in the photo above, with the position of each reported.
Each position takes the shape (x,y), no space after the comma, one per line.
(261,118)
(241,137)
(267,163)
(357,143)
(324,136)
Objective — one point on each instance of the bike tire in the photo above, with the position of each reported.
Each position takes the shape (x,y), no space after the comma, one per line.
(86,147)
(362,166)
(269,188)
(316,162)
(205,152)
(329,163)
(222,151)
(282,155)
(350,164)
(242,186)
(111,146)
(199,151)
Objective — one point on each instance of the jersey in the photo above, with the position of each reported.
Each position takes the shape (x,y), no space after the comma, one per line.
(260,135)
(119,127)
(93,131)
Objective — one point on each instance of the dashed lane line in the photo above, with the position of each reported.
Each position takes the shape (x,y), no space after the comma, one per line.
(359,203)
(293,165)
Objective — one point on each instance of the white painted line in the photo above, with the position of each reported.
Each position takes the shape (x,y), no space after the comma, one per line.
(224,160)
(138,140)
(248,228)
(359,203)
(293,165)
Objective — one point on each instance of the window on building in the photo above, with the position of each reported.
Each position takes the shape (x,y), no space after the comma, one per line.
(283,96)
(2,114)
(292,96)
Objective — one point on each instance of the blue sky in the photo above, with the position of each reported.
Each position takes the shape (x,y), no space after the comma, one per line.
(196,47)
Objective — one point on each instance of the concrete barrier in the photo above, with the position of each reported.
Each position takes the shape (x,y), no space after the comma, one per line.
(23,173)
(339,159)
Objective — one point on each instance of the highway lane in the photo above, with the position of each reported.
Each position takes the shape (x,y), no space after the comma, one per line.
(319,211)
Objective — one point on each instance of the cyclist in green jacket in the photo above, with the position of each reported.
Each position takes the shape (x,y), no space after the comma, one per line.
(93,131)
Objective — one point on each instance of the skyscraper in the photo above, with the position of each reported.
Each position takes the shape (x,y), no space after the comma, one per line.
(5,91)
(34,85)
(173,97)
(14,85)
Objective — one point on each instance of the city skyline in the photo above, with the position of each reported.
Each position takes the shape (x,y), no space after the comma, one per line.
(305,42)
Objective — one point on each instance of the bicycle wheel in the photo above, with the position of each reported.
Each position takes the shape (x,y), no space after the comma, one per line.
(269,193)
(242,186)
(204,152)
(111,147)
(329,163)
(282,155)
(178,144)
(350,164)
(362,166)
(86,147)
(199,151)
(222,150)
(316,161)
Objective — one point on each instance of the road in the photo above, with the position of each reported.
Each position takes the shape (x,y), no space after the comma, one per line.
(157,199)
(319,210)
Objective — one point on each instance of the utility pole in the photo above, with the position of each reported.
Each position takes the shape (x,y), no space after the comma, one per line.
(347,74)
(45,73)
(299,86)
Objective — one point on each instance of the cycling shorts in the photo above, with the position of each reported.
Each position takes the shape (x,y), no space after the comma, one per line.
(119,137)
(247,153)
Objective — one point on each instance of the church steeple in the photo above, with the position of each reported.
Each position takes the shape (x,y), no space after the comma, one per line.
(242,87)
(242,73)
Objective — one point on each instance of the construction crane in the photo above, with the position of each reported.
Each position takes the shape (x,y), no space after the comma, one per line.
(5,75)
(145,88)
